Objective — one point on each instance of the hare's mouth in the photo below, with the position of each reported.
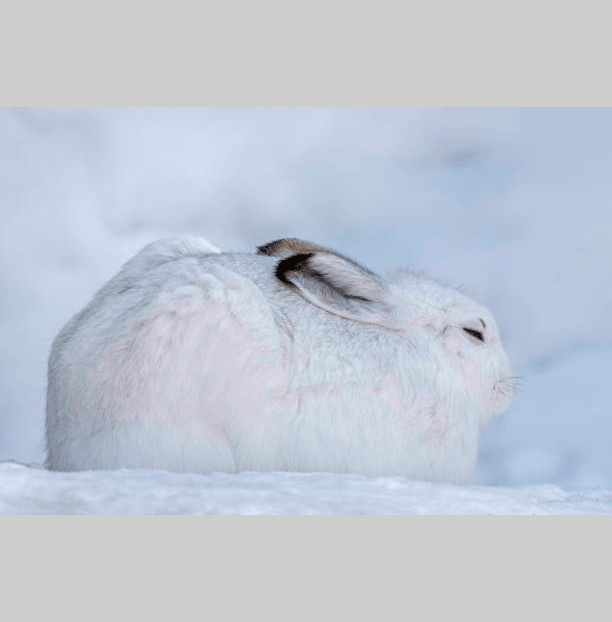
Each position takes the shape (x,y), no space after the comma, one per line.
(507,386)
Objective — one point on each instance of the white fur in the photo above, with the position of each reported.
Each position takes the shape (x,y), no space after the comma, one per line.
(194,360)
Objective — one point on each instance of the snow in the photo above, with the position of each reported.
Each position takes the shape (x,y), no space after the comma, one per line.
(30,490)
(514,205)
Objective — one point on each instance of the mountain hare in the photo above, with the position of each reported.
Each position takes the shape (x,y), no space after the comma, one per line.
(294,358)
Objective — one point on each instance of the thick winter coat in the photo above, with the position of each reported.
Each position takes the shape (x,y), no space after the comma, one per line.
(294,358)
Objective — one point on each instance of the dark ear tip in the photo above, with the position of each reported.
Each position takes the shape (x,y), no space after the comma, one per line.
(267,249)
(290,264)
(289,246)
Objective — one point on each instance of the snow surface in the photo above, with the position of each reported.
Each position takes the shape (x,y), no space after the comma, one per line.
(27,490)
(514,205)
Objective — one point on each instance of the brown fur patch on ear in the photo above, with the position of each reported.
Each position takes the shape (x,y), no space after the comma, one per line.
(292,246)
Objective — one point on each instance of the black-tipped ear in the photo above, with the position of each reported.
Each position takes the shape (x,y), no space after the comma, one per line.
(288,246)
(336,284)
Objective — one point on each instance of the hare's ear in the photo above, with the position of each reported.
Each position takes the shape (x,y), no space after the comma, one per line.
(289,246)
(337,285)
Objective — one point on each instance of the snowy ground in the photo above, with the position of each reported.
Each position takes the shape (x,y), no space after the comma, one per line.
(514,205)
(27,490)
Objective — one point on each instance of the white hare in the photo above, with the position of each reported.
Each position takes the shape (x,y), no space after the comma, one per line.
(291,359)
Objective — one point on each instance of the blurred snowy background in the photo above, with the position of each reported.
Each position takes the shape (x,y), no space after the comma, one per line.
(514,205)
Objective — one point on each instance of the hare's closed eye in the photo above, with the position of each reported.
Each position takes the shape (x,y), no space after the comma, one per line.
(474,333)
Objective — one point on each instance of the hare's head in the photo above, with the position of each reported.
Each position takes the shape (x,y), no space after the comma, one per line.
(407,303)
(465,329)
